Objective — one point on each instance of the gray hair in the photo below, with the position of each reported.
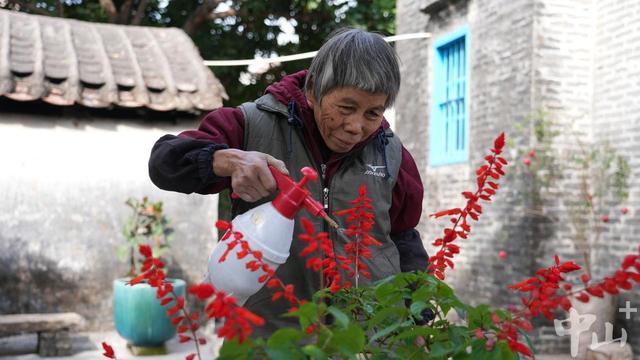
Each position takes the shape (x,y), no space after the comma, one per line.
(356,58)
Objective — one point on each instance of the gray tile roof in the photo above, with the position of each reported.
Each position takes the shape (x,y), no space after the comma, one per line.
(65,62)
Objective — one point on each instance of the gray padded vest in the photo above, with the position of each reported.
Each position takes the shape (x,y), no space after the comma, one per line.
(266,130)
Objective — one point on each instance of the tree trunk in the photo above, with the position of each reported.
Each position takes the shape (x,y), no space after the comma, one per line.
(125,12)
(141,11)
(110,9)
(199,16)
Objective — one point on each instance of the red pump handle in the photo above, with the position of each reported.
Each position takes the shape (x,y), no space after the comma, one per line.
(294,196)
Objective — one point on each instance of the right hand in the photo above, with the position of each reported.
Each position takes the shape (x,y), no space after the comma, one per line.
(250,176)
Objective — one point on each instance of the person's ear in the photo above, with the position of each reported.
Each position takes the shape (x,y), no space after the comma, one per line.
(311,101)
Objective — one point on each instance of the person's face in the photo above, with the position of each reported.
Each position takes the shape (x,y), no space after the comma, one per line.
(346,116)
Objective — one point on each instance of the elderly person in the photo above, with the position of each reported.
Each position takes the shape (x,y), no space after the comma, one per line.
(330,118)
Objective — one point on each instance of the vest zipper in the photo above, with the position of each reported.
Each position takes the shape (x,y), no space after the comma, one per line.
(325,189)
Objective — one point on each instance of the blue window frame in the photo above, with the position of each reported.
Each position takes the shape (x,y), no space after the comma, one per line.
(449,122)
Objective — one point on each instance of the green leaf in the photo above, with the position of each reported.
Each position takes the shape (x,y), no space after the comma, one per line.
(314,352)
(417,307)
(384,291)
(502,351)
(307,314)
(232,349)
(284,337)
(341,318)
(284,353)
(349,341)
(123,252)
(415,332)
(384,332)
(387,312)
(441,349)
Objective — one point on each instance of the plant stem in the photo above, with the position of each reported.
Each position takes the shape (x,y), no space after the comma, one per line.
(193,332)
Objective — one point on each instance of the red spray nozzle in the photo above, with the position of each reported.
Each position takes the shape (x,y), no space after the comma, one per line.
(294,196)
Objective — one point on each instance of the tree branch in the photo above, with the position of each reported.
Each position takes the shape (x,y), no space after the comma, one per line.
(141,11)
(110,9)
(125,12)
(199,16)
(60,8)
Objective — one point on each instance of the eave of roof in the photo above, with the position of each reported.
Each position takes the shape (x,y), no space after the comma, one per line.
(66,62)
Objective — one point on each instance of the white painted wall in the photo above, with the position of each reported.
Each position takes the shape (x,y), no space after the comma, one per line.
(63,184)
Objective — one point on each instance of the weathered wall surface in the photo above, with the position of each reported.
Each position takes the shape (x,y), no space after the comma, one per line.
(63,185)
(578,60)
(616,121)
(500,93)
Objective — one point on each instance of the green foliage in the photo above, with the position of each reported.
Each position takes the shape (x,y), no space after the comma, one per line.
(380,322)
(146,225)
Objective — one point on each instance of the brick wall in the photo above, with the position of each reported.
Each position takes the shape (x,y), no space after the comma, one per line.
(579,60)
(616,119)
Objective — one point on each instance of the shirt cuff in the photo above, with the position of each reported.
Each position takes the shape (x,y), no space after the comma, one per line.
(205,163)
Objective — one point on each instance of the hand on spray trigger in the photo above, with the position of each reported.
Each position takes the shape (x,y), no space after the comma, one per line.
(293,196)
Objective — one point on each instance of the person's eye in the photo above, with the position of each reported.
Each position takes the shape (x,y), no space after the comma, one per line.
(345,110)
(373,115)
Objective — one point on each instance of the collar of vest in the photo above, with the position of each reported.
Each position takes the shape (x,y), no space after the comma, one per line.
(269,103)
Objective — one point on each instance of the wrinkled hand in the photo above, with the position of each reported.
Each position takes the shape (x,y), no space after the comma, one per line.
(251,178)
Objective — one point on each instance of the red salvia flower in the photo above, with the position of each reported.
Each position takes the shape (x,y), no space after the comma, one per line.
(461,228)
(108,351)
(360,218)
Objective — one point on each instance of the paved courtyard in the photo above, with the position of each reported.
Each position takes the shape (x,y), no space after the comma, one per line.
(88,346)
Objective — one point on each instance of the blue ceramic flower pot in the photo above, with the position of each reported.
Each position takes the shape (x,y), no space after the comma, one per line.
(138,316)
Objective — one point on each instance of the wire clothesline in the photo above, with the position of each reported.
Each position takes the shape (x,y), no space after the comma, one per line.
(306,55)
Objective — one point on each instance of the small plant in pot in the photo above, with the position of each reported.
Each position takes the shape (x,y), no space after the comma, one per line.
(138,315)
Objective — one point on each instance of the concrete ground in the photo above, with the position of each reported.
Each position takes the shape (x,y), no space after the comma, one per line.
(88,346)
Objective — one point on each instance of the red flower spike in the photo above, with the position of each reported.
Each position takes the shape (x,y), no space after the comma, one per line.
(176,320)
(515,346)
(108,351)
(498,144)
(145,250)
(624,210)
(605,218)
(190,356)
(310,329)
(583,297)
(223,225)
(182,329)
(585,278)
(166,301)
(202,291)
(183,339)
(629,261)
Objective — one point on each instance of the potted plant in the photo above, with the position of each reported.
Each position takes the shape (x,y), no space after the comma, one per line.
(138,315)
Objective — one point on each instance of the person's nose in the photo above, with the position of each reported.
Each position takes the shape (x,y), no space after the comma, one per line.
(353,125)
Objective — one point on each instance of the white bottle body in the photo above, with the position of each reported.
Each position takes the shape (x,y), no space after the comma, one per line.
(267,231)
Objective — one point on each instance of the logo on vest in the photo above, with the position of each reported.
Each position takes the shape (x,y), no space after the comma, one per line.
(375,170)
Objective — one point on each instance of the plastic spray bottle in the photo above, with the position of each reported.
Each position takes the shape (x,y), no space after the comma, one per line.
(267,228)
